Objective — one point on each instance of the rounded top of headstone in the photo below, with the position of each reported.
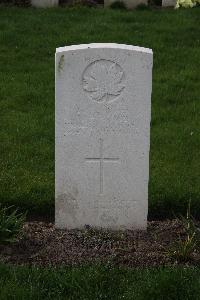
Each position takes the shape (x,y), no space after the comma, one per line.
(103,46)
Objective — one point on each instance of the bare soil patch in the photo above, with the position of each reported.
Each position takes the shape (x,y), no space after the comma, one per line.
(42,244)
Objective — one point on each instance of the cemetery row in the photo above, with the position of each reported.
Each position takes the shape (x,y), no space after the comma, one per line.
(129,4)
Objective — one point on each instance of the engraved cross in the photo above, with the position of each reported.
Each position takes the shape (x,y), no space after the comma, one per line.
(101,159)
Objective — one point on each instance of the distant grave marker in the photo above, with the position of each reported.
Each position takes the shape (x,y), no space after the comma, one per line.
(44,3)
(168,3)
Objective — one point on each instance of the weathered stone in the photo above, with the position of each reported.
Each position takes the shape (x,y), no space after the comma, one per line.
(103,106)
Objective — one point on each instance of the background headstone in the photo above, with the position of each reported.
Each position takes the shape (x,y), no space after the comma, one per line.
(44,3)
(168,3)
(103,107)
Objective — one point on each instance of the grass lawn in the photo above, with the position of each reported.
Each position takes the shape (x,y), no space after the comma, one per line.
(98,282)
(28,39)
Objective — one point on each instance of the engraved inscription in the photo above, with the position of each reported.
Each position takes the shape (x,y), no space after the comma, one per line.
(103,80)
(101,159)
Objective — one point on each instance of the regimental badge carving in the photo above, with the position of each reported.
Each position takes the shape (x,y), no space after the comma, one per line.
(103,80)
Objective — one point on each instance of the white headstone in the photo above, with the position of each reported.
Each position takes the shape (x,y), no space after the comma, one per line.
(103,108)
(168,3)
(44,3)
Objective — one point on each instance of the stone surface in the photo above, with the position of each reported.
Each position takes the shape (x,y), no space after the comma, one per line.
(130,4)
(103,107)
(44,3)
(168,3)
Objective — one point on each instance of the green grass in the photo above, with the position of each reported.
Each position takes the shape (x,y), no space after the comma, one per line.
(28,39)
(99,282)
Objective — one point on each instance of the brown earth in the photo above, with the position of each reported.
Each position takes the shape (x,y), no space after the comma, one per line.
(42,244)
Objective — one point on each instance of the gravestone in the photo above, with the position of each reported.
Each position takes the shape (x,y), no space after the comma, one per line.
(103,107)
(168,3)
(44,3)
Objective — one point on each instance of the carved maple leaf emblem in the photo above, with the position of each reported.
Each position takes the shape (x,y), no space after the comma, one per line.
(103,80)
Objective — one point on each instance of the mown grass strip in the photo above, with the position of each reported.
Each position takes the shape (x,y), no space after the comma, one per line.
(99,282)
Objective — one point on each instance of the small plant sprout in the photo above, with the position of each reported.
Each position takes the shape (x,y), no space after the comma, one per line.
(11,223)
(182,250)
